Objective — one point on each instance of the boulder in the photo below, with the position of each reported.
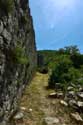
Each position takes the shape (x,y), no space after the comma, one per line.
(80,94)
(80,104)
(76,116)
(51,120)
(30,110)
(64,103)
(70,88)
(19,116)
(71,94)
(80,89)
(56,95)
(72,103)
(22,108)
(60,95)
(1,27)
(53,95)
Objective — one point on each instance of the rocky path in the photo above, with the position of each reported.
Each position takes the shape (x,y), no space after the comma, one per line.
(36,108)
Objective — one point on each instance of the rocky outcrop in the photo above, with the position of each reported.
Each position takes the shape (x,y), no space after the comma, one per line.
(17,54)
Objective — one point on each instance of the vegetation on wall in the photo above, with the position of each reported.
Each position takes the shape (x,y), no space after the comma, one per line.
(19,56)
(6,6)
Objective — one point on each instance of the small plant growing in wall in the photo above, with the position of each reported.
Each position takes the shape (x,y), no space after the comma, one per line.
(24,19)
(19,56)
(6,6)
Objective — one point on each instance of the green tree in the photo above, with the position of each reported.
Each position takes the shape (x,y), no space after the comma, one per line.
(72,50)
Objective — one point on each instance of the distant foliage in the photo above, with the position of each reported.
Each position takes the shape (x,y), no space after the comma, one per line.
(72,50)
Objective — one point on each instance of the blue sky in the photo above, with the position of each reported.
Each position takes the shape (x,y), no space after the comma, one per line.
(58,23)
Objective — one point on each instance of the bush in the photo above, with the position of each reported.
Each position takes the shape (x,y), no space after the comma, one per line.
(64,73)
(77,60)
(81,69)
(19,56)
(74,74)
(6,6)
(59,73)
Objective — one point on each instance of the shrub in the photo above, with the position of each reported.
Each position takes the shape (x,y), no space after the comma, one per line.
(80,81)
(24,19)
(77,60)
(6,6)
(59,73)
(19,55)
(64,73)
(81,69)
(74,74)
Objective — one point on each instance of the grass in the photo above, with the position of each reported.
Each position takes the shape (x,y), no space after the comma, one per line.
(35,98)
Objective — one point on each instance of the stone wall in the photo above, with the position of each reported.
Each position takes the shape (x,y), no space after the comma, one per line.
(17,54)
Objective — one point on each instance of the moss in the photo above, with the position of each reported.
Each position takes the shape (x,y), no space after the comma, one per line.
(19,55)
(24,19)
(6,6)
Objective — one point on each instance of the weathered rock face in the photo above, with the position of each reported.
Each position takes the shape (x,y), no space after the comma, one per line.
(17,54)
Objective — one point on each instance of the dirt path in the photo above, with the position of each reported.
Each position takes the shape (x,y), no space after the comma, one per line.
(37,106)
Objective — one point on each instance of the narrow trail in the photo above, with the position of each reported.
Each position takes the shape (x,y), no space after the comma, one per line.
(36,105)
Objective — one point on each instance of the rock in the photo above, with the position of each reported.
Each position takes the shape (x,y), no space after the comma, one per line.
(70,88)
(72,103)
(19,116)
(57,85)
(80,104)
(80,94)
(1,27)
(60,95)
(51,120)
(71,94)
(3,123)
(1,112)
(73,85)
(81,89)
(53,95)
(1,41)
(76,117)
(6,35)
(30,110)
(63,103)
(23,108)
(56,95)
